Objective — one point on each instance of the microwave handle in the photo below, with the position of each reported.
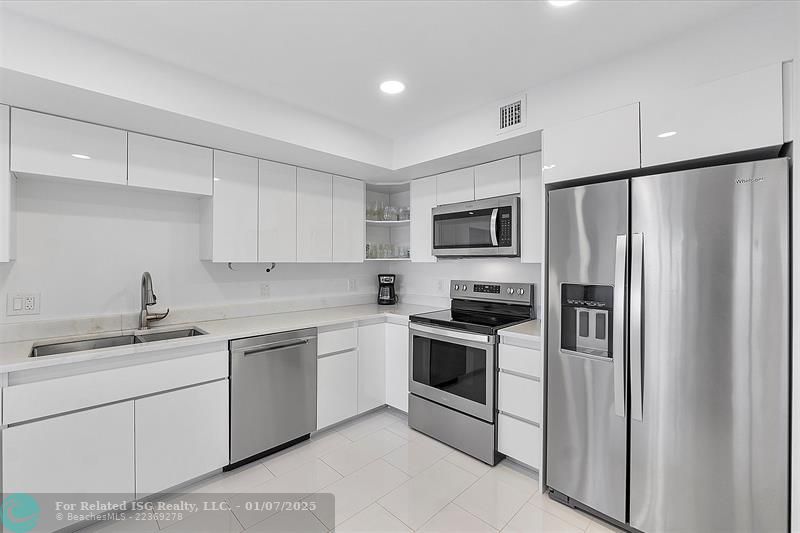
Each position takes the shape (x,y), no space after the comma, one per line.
(493,226)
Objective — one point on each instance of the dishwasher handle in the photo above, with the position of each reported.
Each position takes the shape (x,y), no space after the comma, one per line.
(275,346)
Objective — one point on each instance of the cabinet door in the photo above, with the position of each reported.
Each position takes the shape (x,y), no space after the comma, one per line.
(498,178)
(599,144)
(167,165)
(314,216)
(45,145)
(455,186)
(733,114)
(348,220)
(371,366)
(423,199)
(87,451)
(180,435)
(519,440)
(532,208)
(277,212)
(8,216)
(337,388)
(233,211)
(397,366)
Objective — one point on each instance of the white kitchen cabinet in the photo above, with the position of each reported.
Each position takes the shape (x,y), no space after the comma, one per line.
(337,388)
(348,220)
(229,220)
(371,366)
(89,451)
(498,178)
(155,163)
(277,212)
(180,435)
(455,186)
(532,209)
(397,366)
(520,396)
(46,145)
(314,216)
(8,195)
(519,403)
(423,199)
(599,144)
(519,440)
(733,114)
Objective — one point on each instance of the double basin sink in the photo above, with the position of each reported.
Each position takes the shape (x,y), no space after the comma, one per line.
(79,345)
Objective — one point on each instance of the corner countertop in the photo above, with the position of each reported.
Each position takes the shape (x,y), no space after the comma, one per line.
(527,334)
(14,355)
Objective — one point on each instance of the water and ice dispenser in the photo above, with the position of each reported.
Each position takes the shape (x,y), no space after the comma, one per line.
(586,316)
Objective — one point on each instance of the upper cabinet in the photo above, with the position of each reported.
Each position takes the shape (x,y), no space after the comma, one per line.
(423,200)
(314,216)
(277,212)
(46,145)
(229,219)
(455,186)
(156,163)
(532,209)
(733,114)
(498,178)
(8,217)
(600,144)
(348,220)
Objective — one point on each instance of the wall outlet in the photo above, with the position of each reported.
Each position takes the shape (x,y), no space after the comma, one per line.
(23,304)
(265,290)
(352,286)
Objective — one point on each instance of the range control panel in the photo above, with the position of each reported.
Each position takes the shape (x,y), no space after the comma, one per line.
(519,293)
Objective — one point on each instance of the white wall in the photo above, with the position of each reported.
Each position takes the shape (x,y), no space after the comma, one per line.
(748,39)
(85,246)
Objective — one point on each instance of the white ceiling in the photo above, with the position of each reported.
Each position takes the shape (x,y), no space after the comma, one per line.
(329,57)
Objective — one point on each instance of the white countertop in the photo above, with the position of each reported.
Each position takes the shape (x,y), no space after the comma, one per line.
(14,355)
(531,328)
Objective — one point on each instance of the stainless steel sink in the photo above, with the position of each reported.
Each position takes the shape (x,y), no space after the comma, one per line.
(79,345)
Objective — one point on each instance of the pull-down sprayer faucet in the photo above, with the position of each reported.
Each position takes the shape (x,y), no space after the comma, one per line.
(148,299)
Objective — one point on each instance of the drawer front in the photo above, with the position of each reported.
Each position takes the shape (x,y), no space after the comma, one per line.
(337,340)
(519,440)
(521,360)
(520,397)
(60,395)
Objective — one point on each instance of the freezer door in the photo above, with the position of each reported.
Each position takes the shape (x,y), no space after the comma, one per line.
(586,425)
(709,350)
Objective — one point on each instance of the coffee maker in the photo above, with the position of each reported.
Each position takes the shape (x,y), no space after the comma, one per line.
(386,294)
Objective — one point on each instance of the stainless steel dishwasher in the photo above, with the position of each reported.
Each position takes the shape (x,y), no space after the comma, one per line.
(273,393)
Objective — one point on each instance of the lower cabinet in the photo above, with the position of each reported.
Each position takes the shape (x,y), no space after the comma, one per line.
(371,366)
(519,440)
(397,366)
(337,388)
(180,435)
(88,451)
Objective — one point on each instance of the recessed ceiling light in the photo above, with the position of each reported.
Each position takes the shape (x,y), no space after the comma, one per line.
(667,134)
(393,87)
(81,156)
(562,3)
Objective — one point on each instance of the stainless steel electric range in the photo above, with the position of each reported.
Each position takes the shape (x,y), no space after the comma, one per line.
(453,364)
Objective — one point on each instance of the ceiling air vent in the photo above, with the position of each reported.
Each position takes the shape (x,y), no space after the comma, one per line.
(511,114)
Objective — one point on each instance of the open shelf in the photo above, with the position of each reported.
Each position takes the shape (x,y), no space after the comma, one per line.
(388,222)
(387,259)
(388,238)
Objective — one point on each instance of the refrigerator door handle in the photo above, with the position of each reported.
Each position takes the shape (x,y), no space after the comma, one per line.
(637,316)
(619,326)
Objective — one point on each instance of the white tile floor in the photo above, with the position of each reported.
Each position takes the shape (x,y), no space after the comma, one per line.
(385,477)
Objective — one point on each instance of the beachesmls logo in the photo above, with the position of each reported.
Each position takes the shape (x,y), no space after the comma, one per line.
(20,513)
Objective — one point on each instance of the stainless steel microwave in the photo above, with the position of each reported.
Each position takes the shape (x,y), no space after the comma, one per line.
(480,228)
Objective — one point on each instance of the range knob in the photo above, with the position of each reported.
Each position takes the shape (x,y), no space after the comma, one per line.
(463,287)
(510,290)
(455,287)
(521,291)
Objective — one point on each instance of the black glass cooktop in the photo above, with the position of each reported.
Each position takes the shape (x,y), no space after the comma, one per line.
(484,318)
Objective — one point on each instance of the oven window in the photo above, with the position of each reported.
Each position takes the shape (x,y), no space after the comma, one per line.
(463,230)
(452,368)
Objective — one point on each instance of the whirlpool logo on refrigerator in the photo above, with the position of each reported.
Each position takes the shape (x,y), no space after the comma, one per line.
(753,180)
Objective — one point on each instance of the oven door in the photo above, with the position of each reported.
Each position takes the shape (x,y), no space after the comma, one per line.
(480,228)
(453,368)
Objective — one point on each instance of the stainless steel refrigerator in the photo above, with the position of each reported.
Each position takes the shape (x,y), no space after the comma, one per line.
(668,349)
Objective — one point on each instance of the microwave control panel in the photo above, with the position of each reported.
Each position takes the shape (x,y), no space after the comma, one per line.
(504,229)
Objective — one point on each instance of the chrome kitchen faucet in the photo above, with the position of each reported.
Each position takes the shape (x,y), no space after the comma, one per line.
(148,299)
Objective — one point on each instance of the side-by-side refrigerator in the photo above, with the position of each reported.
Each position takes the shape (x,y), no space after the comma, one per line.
(668,349)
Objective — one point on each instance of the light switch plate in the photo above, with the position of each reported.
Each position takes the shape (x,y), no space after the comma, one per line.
(23,304)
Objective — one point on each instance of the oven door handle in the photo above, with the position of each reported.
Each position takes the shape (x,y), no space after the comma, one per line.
(493,226)
(427,331)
